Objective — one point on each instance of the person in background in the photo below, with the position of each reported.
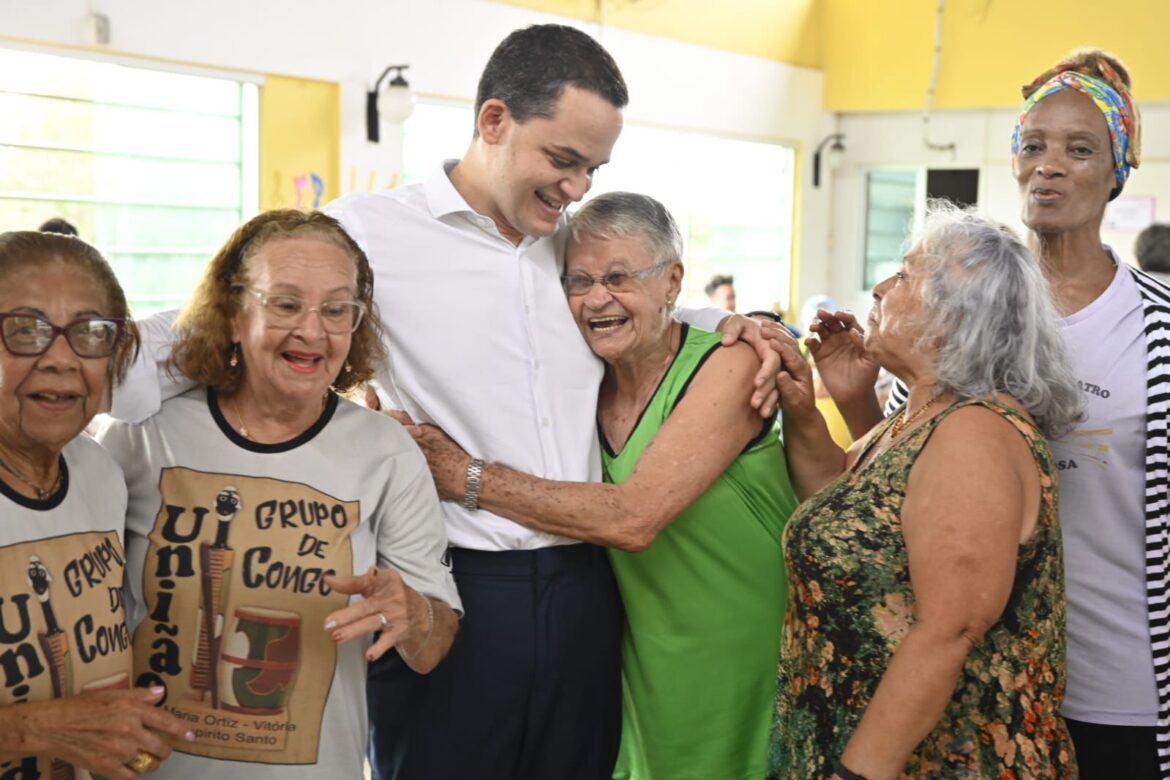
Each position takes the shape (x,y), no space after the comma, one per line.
(695,501)
(925,627)
(532,687)
(57,225)
(1074,146)
(279,536)
(1152,250)
(721,291)
(68,705)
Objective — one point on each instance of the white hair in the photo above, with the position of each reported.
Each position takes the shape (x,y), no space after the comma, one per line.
(990,315)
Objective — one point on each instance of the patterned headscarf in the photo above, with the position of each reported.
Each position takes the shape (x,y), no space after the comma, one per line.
(1101,83)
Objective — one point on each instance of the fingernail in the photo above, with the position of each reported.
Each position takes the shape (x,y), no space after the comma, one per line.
(370,656)
(336,636)
(157,690)
(189,736)
(330,625)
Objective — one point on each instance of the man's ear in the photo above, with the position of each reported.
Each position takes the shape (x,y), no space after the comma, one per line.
(493,120)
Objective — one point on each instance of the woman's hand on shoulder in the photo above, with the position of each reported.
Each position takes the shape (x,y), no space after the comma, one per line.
(100,731)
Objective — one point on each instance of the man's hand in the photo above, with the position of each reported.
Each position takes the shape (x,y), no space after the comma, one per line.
(765,337)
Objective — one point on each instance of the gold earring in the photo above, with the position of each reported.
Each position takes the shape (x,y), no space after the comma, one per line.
(348,367)
(234,360)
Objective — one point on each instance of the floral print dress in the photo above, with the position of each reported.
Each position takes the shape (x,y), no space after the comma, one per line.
(850,604)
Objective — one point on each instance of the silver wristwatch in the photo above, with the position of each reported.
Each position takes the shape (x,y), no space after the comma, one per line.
(471,487)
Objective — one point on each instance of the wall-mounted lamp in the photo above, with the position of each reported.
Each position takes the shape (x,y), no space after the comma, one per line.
(394,104)
(833,156)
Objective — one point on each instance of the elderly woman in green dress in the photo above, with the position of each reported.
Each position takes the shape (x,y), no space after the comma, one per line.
(695,500)
(925,629)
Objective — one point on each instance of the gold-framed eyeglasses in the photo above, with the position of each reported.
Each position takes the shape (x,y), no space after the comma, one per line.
(614,281)
(288,311)
(29,335)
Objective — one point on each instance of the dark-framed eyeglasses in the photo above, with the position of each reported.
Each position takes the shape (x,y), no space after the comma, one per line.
(29,335)
(614,281)
(287,311)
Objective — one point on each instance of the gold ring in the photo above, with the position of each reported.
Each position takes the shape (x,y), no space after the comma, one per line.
(382,617)
(143,762)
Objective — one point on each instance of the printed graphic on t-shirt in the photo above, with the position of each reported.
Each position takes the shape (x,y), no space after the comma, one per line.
(1082,447)
(234,585)
(62,628)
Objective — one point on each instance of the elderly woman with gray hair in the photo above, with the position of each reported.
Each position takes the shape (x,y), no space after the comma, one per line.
(695,500)
(925,634)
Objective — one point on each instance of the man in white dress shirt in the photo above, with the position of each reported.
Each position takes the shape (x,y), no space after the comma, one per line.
(467,272)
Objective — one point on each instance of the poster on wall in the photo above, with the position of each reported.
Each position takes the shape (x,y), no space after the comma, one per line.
(1129,214)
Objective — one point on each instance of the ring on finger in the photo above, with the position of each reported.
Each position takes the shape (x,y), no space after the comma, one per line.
(382,617)
(143,762)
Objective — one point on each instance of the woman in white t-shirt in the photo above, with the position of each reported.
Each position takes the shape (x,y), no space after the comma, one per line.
(65,334)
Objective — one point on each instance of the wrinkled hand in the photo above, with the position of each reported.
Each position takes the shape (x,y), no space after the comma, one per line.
(384,594)
(837,344)
(762,337)
(795,383)
(101,731)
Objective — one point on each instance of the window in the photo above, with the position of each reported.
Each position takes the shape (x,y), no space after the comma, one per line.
(154,168)
(891,206)
(895,203)
(733,199)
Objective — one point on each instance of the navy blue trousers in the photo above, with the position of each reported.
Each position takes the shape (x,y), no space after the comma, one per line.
(531,687)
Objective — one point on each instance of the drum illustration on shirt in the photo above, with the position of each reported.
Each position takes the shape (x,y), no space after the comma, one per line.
(234,578)
(259,661)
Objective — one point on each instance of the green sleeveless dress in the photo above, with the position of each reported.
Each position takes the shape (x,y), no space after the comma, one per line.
(704,606)
(851,604)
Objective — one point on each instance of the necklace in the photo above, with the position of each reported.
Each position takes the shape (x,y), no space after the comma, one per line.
(901,423)
(242,427)
(42,495)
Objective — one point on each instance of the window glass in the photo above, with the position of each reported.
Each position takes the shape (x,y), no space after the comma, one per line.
(154,168)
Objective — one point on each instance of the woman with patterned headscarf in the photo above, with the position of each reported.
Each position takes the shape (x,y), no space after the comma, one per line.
(1073,148)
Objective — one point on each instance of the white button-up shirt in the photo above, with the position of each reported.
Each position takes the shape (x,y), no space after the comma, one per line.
(482,343)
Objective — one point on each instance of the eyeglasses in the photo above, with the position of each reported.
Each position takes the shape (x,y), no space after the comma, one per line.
(90,337)
(614,281)
(286,311)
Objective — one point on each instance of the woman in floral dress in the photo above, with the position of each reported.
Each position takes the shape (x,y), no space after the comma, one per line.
(925,629)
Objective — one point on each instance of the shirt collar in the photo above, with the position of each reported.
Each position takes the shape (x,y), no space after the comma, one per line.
(442,197)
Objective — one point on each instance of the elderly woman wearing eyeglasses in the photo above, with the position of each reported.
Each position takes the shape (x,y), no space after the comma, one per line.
(262,503)
(697,496)
(64,645)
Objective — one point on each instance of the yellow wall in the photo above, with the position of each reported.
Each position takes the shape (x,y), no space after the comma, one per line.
(877,53)
(782,30)
(300,142)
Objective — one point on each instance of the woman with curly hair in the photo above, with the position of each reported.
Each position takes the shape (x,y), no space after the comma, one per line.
(262,501)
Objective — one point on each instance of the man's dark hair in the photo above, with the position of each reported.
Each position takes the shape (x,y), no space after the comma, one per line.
(717,281)
(57,225)
(531,68)
(1152,248)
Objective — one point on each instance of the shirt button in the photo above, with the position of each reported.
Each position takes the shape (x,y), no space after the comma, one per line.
(545,422)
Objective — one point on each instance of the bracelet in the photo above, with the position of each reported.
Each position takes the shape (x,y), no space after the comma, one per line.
(472,485)
(427,638)
(773,316)
(846,773)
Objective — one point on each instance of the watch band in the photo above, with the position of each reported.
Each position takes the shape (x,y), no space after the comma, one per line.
(472,485)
